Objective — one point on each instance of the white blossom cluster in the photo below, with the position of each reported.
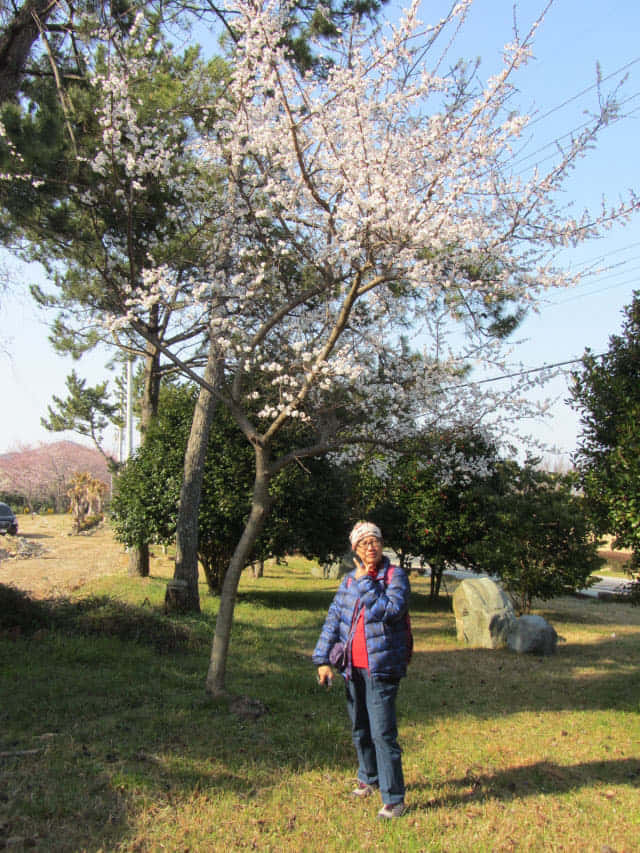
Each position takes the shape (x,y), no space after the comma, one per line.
(456,467)
(17,174)
(139,150)
(367,176)
(366,220)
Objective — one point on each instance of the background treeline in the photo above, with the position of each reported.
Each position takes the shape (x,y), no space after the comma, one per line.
(444,500)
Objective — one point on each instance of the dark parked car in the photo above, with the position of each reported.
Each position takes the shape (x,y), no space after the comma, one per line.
(8,521)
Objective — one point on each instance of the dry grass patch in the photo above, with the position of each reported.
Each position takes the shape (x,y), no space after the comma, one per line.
(46,559)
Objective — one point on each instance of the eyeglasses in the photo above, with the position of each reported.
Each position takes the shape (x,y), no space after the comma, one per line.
(369,543)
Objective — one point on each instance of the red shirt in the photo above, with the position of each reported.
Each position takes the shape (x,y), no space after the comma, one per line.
(359,655)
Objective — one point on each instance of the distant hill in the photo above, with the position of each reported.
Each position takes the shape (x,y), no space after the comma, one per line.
(41,474)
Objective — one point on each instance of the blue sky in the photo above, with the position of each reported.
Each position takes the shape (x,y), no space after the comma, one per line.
(557,88)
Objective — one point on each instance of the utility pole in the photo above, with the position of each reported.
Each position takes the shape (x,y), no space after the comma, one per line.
(128,446)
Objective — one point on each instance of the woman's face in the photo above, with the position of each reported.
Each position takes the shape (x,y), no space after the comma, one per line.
(369,550)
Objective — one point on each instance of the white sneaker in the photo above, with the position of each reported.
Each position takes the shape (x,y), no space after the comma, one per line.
(363,790)
(396,810)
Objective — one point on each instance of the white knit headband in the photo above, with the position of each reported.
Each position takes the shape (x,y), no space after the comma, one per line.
(362,529)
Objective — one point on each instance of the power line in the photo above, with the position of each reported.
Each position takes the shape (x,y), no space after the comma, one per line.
(518,373)
(601,257)
(569,134)
(613,270)
(516,159)
(598,291)
(585,91)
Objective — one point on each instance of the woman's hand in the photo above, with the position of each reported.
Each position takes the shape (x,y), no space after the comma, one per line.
(325,676)
(361,569)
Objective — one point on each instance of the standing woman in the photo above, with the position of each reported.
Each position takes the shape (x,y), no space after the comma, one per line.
(368,616)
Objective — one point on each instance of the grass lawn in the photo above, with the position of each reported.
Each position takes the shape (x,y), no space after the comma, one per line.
(108,741)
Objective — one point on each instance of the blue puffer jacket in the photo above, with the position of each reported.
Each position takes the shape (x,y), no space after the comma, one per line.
(385,625)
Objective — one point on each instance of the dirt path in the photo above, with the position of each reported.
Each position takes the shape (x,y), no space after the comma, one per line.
(46,560)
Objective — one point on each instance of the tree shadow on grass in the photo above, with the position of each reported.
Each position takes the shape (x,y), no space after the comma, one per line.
(540,777)
(320,599)
(316,600)
(101,616)
(592,676)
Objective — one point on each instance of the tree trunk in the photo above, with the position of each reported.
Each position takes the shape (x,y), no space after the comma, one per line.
(151,388)
(439,581)
(437,570)
(184,591)
(139,560)
(139,554)
(260,506)
(16,43)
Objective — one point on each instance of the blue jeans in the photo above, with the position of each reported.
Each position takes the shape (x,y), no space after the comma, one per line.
(371,703)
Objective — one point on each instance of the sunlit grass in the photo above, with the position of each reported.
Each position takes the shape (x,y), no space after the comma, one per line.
(110,743)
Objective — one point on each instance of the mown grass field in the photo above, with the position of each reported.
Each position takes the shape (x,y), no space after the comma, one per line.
(108,741)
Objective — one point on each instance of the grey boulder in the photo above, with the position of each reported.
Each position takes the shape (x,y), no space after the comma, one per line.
(533,635)
(484,613)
